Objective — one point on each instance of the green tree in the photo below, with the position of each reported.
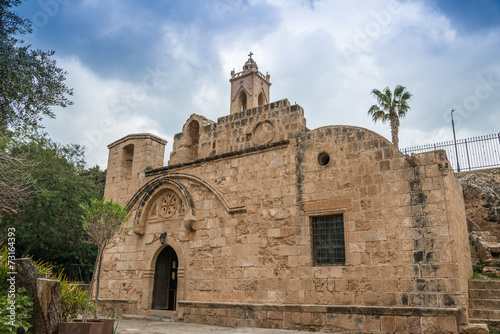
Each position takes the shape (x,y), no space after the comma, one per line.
(30,81)
(30,84)
(49,222)
(102,222)
(15,182)
(391,107)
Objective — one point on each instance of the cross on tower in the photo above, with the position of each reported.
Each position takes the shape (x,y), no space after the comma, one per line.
(250,54)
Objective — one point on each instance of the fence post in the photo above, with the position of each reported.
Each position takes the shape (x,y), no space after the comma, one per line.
(481,155)
(467,151)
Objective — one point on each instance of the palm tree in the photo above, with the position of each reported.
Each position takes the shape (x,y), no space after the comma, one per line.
(391,107)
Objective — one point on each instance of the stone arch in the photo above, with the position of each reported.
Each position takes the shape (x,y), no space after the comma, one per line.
(242,101)
(144,198)
(127,161)
(193,138)
(239,93)
(203,122)
(193,135)
(149,278)
(165,280)
(261,99)
(177,248)
(170,202)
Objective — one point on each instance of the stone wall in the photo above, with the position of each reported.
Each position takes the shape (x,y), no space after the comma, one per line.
(258,126)
(345,319)
(242,227)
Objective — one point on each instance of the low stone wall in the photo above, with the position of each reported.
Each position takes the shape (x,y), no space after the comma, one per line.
(348,319)
(117,306)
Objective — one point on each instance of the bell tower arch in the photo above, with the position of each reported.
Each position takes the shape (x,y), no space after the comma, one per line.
(249,88)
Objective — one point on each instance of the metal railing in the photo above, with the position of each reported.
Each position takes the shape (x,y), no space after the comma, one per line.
(473,153)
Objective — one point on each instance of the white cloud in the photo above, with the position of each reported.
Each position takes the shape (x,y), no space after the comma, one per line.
(104,110)
(326,57)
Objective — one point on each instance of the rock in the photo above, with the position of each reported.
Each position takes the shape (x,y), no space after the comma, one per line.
(475,329)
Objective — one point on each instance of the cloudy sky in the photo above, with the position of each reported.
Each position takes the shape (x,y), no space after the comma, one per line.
(146,66)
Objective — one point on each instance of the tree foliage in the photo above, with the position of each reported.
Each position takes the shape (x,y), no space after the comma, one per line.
(391,107)
(102,222)
(30,81)
(15,182)
(30,84)
(49,222)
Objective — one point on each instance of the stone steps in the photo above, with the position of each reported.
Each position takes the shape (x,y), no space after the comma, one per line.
(484,304)
(484,294)
(484,300)
(484,314)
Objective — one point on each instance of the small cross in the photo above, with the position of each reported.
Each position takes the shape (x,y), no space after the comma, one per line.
(250,54)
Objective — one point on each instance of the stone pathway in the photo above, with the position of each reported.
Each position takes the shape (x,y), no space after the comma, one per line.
(138,324)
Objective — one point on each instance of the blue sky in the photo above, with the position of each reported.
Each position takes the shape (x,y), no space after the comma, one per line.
(146,66)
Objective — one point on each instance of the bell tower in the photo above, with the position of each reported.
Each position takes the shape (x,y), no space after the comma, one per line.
(249,88)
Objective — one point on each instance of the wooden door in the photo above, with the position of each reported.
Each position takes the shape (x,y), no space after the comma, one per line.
(165,280)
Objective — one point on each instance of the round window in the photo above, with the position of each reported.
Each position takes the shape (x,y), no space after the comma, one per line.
(323,159)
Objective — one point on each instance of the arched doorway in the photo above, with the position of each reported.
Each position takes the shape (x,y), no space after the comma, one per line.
(165,280)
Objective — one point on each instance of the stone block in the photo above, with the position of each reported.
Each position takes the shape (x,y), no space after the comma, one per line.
(387,324)
(474,329)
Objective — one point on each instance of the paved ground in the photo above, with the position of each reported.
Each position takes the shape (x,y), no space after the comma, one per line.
(168,326)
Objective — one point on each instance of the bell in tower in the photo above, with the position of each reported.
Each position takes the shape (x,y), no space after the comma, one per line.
(249,88)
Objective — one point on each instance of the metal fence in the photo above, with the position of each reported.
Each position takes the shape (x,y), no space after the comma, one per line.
(473,153)
(80,272)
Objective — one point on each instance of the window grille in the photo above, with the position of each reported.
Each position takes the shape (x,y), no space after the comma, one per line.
(328,240)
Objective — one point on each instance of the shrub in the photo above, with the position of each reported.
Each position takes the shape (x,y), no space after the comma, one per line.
(73,296)
(23,304)
(12,318)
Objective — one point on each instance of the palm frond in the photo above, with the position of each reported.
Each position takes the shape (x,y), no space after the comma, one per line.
(391,106)
(406,96)
(378,114)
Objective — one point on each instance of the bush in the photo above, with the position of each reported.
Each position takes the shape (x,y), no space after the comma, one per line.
(12,318)
(73,297)
(10,322)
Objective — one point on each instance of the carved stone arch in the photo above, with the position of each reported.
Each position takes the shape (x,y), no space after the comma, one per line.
(143,195)
(238,93)
(147,195)
(167,201)
(229,208)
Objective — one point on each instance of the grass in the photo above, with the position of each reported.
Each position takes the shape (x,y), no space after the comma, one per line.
(479,276)
(491,329)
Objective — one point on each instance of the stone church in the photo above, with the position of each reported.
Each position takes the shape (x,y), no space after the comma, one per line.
(259,221)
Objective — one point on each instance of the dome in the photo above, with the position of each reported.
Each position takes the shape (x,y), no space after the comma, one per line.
(250,64)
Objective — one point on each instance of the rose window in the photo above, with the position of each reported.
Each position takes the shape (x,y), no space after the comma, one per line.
(169,204)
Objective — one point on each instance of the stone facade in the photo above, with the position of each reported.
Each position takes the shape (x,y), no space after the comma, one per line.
(276,225)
